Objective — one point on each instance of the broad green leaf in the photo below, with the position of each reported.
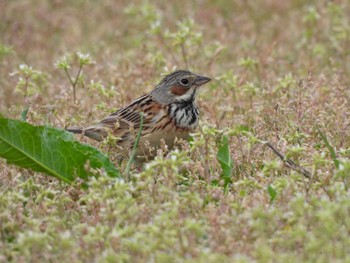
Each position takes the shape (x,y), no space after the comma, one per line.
(225,160)
(51,151)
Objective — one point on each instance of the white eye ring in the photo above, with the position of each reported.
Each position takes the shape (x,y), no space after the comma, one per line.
(184,81)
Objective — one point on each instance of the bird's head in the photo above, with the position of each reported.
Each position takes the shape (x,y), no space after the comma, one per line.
(178,86)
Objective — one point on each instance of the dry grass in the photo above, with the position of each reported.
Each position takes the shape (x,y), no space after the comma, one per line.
(281,69)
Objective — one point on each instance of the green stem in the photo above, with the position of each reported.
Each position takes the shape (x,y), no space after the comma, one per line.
(77,77)
(133,153)
(71,82)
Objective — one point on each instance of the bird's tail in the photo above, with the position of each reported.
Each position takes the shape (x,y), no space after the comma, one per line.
(94,132)
(78,130)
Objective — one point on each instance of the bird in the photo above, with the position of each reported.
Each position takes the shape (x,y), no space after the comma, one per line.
(169,111)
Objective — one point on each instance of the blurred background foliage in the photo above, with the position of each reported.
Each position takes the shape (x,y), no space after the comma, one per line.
(281,73)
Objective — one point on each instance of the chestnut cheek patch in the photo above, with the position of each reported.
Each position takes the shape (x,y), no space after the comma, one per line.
(178,90)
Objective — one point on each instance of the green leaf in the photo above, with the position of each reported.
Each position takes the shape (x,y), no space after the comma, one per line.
(272,192)
(24,114)
(51,151)
(225,160)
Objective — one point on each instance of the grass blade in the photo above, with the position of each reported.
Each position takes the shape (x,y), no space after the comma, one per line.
(329,146)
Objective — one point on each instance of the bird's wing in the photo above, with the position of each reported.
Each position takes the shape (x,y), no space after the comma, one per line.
(125,122)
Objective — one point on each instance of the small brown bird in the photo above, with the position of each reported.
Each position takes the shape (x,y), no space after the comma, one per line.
(169,111)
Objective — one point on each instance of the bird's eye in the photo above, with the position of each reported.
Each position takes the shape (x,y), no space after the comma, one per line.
(184,82)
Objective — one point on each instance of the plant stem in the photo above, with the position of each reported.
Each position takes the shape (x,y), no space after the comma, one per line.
(133,153)
(77,77)
(73,84)
(289,163)
(26,89)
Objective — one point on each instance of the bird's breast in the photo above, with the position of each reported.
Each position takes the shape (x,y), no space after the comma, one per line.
(185,115)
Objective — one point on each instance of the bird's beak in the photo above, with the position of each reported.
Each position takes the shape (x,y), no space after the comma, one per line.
(201,80)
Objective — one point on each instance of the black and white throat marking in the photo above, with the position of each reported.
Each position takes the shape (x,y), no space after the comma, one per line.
(185,112)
